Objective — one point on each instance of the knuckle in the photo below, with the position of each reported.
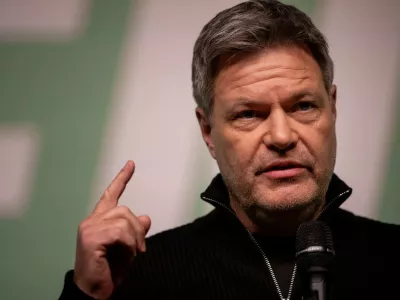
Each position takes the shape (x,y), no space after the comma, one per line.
(121,228)
(131,243)
(82,227)
(107,194)
(85,237)
(125,224)
(125,210)
(141,231)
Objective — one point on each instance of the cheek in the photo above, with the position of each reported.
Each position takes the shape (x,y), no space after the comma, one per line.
(234,149)
(333,148)
(321,140)
(328,135)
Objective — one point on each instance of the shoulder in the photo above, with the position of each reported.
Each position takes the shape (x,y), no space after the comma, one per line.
(198,229)
(366,252)
(372,232)
(367,223)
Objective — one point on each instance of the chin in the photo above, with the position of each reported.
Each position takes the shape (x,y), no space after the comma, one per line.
(293,197)
(282,212)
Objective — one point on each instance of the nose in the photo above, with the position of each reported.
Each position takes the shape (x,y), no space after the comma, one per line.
(279,136)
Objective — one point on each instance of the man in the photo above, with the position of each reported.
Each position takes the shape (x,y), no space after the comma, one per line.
(263,82)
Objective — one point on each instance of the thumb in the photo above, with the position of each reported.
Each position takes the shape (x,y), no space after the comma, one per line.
(145,222)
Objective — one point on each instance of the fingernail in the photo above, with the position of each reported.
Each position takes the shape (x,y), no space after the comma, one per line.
(127,164)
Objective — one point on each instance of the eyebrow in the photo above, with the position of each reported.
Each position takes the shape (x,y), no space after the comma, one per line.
(248,102)
(243,102)
(302,93)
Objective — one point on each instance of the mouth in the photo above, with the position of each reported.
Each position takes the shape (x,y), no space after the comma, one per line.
(283,169)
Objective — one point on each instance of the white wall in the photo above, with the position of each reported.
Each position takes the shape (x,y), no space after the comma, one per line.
(365,46)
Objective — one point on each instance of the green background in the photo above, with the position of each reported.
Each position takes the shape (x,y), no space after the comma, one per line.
(65,89)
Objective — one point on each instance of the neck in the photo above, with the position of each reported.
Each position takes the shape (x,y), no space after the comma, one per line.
(278,223)
(243,217)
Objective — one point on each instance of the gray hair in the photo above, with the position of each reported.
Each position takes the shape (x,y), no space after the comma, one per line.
(249,27)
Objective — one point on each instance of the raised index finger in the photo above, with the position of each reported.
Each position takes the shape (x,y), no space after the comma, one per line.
(110,197)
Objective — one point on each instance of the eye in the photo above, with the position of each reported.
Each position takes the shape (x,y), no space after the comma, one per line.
(246,114)
(304,106)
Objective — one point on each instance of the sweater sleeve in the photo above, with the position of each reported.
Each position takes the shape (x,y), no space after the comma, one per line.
(71,290)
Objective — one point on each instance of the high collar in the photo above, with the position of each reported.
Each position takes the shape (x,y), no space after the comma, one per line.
(338,192)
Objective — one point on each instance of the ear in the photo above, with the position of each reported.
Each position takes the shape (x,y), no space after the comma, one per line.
(205,127)
(332,100)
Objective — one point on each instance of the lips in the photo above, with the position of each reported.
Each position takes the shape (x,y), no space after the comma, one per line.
(282,169)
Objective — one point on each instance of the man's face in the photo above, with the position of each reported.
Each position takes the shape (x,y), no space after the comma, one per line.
(272,131)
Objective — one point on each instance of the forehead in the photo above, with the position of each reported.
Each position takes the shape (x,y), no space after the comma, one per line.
(282,69)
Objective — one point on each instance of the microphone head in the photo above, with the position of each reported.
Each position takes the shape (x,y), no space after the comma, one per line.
(314,245)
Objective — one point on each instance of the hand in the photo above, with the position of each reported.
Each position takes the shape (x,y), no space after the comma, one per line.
(108,240)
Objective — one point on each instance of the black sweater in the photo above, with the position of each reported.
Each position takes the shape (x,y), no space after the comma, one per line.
(215,257)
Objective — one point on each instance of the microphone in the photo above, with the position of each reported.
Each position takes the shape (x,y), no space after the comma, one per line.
(314,252)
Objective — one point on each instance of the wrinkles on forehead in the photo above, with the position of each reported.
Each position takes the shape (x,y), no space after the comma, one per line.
(277,74)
